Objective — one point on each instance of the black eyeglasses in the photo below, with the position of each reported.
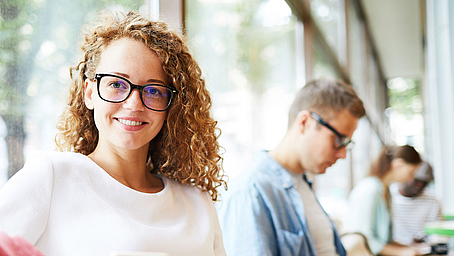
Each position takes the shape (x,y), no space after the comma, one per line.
(342,140)
(116,89)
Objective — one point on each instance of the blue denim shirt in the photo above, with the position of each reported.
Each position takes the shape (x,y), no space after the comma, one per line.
(263,214)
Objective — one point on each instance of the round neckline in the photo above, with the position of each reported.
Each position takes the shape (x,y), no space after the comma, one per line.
(165,181)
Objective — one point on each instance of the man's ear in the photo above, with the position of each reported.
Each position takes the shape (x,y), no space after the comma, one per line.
(302,120)
(88,94)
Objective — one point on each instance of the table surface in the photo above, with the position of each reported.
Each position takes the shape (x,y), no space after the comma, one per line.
(445,228)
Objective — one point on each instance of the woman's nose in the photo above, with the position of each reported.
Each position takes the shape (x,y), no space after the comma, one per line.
(134,102)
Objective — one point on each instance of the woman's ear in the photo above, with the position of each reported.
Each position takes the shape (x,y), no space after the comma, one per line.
(88,94)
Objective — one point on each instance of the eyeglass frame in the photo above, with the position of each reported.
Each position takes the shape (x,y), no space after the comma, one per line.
(340,137)
(99,76)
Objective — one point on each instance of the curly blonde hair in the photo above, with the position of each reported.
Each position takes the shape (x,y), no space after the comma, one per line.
(186,148)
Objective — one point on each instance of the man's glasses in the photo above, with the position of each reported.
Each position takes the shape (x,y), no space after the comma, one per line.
(116,89)
(342,140)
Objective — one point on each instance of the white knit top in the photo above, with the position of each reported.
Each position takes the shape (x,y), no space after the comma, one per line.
(65,205)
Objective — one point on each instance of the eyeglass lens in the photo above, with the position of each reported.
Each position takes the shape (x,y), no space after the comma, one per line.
(115,89)
(342,140)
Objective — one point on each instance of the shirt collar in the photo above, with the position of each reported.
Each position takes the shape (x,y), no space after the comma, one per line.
(308,181)
(286,179)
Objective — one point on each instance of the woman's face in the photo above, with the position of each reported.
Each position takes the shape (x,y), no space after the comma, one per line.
(127,125)
(403,171)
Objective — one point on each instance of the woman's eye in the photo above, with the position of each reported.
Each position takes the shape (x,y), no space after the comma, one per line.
(117,85)
(154,91)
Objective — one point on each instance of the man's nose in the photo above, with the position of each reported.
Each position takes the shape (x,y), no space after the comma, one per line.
(342,153)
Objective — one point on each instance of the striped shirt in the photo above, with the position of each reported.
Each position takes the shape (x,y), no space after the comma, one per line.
(411,213)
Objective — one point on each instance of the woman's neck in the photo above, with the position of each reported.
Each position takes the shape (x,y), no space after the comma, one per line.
(128,167)
(386,180)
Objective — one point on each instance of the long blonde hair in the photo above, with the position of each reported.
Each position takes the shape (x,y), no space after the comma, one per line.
(186,148)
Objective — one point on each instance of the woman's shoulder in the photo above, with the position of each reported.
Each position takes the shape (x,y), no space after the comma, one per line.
(52,160)
(54,156)
(370,181)
(40,157)
(187,189)
(368,186)
(40,170)
(186,192)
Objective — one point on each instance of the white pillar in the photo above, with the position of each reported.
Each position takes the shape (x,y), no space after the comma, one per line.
(154,9)
(439,94)
(172,12)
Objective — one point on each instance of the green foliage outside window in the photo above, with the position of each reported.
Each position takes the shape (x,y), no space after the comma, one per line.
(404,96)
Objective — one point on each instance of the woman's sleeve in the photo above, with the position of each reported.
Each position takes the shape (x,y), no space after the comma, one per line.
(219,249)
(25,199)
(362,217)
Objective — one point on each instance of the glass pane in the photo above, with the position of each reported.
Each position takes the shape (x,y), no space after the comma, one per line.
(327,15)
(322,67)
(357,51)
(39,41)
(247,51)
(406,112)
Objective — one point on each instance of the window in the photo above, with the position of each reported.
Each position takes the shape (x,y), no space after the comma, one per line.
(250,55)
(328,15)
(39,41)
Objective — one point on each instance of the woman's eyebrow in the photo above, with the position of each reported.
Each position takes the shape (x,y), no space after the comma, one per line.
(151,80)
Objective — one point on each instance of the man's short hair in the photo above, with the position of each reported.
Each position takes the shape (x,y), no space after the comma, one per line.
(326,97)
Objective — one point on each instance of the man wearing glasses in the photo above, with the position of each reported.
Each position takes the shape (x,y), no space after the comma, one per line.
(271,209)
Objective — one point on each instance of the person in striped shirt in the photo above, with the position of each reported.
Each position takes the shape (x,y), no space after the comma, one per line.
(414,205)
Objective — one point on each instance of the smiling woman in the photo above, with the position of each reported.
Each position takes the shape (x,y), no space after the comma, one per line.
(143,165)
(127,123)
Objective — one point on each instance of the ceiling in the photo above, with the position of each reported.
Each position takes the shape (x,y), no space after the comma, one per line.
(397,29)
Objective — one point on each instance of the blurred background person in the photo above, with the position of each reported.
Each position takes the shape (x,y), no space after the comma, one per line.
(413,206)
(369,202)
(273,210)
